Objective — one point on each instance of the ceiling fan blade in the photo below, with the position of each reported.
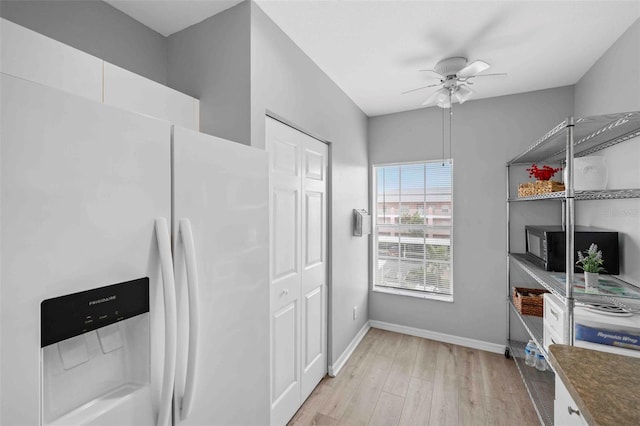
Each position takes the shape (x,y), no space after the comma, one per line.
(433,74)
(498,74)
(473,68)
(435,95)
(420,88)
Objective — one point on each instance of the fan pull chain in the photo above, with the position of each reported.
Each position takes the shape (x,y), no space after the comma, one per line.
(442,136)
(450,120)
(450,137)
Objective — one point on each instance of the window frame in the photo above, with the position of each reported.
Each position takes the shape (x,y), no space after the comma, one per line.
(421,294)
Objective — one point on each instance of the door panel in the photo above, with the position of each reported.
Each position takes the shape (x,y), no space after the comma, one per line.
(314,165)
(313,331)
(222,188)
(314,274)
(298,175)
(314,208)
(285,232)
(285,336)
(285,153)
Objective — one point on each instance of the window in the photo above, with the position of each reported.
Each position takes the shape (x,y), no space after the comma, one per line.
(413,228)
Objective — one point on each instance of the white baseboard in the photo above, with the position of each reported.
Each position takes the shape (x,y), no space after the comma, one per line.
(344,357)
(440,337)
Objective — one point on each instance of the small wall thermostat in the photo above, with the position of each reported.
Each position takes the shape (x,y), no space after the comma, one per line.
(361,222)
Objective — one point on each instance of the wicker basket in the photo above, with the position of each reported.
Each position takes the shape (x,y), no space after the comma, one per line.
(529,301)
(539,187)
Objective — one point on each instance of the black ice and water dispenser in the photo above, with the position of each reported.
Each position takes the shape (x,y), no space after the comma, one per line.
(95,347)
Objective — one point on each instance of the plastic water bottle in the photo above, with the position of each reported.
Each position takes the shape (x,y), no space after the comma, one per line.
(530,352)
(541,364)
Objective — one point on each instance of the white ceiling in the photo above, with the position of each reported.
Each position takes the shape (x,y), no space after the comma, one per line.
(170,16)
(374,49)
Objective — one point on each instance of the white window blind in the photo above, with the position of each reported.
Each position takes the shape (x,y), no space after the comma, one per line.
(413,227)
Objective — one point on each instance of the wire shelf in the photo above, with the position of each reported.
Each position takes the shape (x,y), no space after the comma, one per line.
(551,283)
(534,327)
(540,384)
(591,134)
(608,194)
(605,194)
(558,195)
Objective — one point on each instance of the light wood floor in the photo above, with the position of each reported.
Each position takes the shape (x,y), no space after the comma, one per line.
(394,379)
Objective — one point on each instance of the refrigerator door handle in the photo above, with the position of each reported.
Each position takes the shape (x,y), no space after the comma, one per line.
(171,320)
(194,316)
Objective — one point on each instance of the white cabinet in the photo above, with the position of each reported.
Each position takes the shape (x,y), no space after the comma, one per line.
(34,57)
(133,92)
(566,412)
(554,326)
(553,321)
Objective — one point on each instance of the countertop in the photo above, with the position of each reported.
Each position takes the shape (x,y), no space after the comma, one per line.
(606,387)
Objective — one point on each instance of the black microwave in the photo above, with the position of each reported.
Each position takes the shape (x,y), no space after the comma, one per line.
(545,246)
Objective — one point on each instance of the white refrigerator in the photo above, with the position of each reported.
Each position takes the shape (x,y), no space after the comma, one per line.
(92,196)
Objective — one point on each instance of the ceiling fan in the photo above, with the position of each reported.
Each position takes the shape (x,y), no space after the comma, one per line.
(454,75)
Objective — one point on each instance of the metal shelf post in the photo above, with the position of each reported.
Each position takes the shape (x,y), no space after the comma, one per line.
(569,234)
(508,233)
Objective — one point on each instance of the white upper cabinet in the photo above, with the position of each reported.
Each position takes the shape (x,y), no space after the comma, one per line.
(34,57)
(133,92)
(40,59)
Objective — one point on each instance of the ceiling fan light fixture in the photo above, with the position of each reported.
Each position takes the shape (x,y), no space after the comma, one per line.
(462,94)
(456,74)
(443,99)
(444,103)
(437,96)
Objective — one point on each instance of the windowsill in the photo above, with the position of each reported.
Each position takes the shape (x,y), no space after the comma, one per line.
(416,294)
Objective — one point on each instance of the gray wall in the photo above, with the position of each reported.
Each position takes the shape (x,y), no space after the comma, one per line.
(486,134)
(96,28)
(613,82)
(613,85)
(286,82)
(210,61)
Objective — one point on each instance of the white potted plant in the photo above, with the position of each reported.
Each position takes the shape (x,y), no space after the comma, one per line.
(591,263)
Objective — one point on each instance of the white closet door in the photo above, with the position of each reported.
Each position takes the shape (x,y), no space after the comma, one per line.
(298,181)
(314,263)
(285,224)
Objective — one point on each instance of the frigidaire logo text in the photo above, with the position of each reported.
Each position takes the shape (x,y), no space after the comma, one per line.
(104,299)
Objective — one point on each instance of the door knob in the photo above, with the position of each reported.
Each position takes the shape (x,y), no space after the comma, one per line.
(572,410)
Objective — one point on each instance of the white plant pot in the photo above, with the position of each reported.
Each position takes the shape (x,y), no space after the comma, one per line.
(591,282)
(589,173)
